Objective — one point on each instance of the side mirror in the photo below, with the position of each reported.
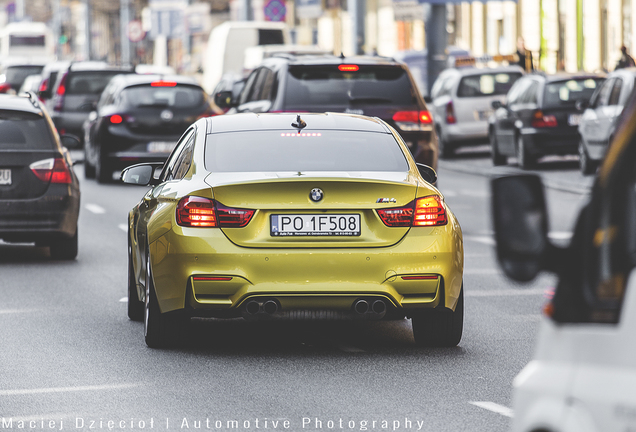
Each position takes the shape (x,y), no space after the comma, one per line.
(427,173)
(70,141)
(140,174)
(428,99)
(521,225)
(224,99)
(496,104)
(582,104)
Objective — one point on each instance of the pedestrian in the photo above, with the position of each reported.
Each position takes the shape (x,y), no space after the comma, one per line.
(626,60)
(525,56)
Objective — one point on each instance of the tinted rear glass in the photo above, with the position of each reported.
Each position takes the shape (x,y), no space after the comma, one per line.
(24,131)
(284,151)
(270,37)
(315,86)
(15,75)
(81,83)
(566,93)
(489,84)
(180,96)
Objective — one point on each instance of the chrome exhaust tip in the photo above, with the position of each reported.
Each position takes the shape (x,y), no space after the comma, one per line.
(378,307)
(252,307)
(270,307)
(361,306)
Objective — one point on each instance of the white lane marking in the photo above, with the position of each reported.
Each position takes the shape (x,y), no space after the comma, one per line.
(15,311)
(496,408)
(94,208)
(487,240)
(123,227)
(482,271)
(18,392)
(123,300)
(506,292)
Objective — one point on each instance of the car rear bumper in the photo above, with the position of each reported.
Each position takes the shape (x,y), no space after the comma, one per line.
(202,271)
(48,217)
(466,133)
(551,142)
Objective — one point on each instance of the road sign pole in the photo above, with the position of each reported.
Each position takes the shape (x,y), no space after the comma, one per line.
(436,40)
(124,17)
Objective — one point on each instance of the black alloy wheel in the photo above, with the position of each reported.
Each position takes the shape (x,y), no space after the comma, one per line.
(524,159)
(64,248)
(586,165)
(497,158)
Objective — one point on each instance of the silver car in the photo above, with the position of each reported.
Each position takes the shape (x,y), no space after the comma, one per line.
(462,103)
(599,121)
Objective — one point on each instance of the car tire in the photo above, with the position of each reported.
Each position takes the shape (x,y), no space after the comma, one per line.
(135,306)
(439,327)
(103,170)
(64,248)
(587,165)
(497,158)
(160,330)
(446,150)
(524,159)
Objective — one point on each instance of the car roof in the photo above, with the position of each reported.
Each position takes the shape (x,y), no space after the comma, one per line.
(465,71)
(138,79)
(623,71)
(334,60)
(94,66)
(20,103)
(315,121)
(565,76)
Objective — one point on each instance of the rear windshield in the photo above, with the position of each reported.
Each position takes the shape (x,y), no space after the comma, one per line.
(15,75)
(93,82)
(316,86)
(24,131)
(489,84)
(566,93)
(286,151)
(179,96)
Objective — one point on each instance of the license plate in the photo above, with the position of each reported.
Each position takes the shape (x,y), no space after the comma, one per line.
(574,119)
(315,225)
(483,115)
(160,147)
(5,176)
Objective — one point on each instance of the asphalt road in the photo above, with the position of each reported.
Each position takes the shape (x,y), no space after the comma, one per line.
(70,359)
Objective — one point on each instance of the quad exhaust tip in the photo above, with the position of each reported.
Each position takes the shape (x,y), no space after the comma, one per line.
(268,307)
(361,306)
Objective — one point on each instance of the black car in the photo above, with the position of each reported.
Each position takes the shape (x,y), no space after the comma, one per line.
(76,91)
(371,86)
(39,192)
(139,118)
(540,117)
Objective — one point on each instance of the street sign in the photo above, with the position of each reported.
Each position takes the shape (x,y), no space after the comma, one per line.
(274,10)
(308,9)
(167,18)
(135,31)
(408,10)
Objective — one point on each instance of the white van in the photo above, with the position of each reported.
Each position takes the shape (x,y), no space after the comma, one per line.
(583,374)
(227,44)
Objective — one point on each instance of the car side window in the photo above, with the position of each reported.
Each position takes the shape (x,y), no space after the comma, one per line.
(257,90)
(169,167)
(184,161)
(437,87)
(249,88)
(603,94)
(615,96)
(267,84)
(516,91)
(529,94)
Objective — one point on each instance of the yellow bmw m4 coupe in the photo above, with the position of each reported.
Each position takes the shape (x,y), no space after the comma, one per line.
(293,216)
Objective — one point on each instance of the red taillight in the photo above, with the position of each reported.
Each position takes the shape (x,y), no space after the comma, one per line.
(450,113)
(426,211)
(163,84)
(44,84)
(539,120)
(116,119)
(348,68)
(5,87)
(52,170)
(59,94)
(195,211)
(413,117)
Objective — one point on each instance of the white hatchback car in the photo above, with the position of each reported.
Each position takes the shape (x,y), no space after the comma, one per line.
(462,103)
(583,373)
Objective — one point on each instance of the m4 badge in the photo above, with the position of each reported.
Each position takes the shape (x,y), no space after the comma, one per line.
(386,200)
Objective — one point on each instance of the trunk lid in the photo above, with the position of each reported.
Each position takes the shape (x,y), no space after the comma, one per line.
(23,184)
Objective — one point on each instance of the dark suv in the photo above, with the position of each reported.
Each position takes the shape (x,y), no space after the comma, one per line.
(39,192)
(139,118)
(371,86)
(76,91)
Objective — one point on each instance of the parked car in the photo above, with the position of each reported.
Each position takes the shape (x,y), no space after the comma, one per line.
(30,84)
(601,116)
(267,203)
(540,117)
(49,78)
(372,86)
(582,374)
(76,91)
(139,118)
(462,104)
(39,192)
(13,72)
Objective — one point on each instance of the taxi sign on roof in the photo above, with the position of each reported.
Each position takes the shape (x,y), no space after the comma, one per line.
(464,61)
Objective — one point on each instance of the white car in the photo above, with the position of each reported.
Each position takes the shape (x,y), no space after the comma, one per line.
(583,374)
(462,103)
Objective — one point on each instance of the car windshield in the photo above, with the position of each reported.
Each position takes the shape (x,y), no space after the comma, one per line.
(178,96)
(15,75)
(566,93)
(281,151)
(316,86)
(94,82)
(488,84)
(24,131)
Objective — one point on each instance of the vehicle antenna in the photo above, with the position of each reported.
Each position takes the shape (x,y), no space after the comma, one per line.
(300,123)
(342,56)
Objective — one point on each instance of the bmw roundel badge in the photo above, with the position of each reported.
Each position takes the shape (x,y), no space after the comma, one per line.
(316,194)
